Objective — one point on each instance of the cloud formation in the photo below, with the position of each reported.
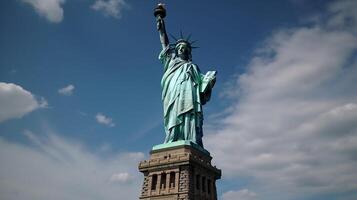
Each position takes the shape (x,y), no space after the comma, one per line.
(67,91)
(293,127)
(15,102)
(52,167)
(243,194)
(110,8)
(102,119)
(122,177)
(50,9)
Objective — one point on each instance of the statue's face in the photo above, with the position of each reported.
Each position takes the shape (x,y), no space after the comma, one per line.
(183,51)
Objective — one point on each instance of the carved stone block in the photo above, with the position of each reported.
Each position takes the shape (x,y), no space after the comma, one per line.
(179,173)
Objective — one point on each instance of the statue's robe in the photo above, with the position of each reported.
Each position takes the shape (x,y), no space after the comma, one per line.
(182,98)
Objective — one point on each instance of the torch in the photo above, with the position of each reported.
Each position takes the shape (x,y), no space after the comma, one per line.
(160,12)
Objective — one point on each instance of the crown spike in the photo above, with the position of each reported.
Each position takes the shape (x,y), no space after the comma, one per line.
(189,36)
(181,35)
(173,37)
(193,41)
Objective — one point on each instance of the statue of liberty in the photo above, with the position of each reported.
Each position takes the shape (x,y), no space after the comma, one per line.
(184,88)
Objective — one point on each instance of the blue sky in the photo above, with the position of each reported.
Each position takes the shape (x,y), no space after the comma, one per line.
(80,96)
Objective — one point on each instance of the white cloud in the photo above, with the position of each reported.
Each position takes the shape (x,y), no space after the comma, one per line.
(59,168)
(15,102)
(111,8)
(243,194)
(102,119)
(50,9)
(292,129)
(122,177)
(67,91)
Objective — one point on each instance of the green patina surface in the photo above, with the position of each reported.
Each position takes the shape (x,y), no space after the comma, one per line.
(180,143)
(184,91)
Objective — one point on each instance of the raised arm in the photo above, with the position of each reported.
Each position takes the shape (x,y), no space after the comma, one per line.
(160,13)
(162,31)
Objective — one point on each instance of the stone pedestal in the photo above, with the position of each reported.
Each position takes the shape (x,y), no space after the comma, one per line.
(179,173)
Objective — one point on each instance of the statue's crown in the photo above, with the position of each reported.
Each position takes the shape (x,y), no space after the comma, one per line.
(188,43)
(183,40)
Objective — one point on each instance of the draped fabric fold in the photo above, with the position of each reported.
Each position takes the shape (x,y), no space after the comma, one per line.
(181,98)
